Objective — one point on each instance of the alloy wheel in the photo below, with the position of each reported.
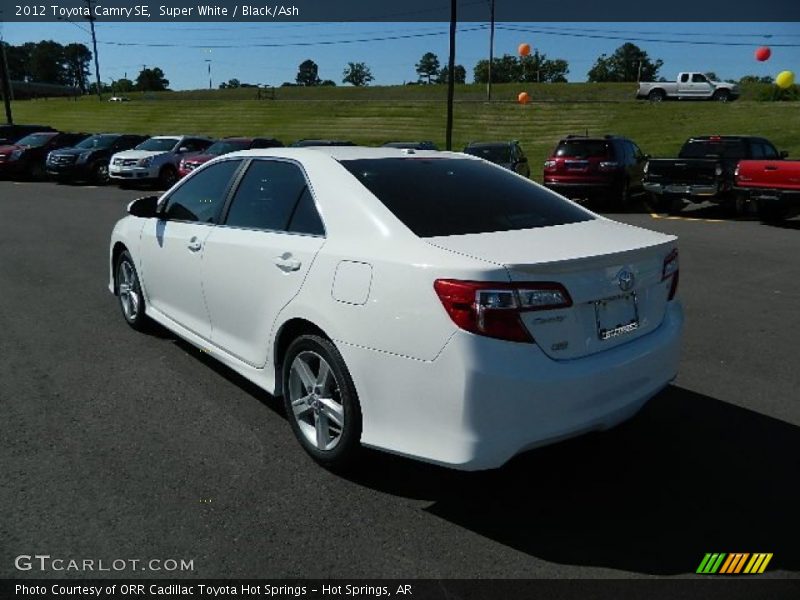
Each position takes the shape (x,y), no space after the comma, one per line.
(128,287)
(315,400)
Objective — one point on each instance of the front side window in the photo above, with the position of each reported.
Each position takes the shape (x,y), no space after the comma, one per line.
(269,197)
(201,196)
(36,140)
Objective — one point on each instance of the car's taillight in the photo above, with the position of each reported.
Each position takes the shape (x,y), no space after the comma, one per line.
(493,309)
(671,269)
(549,164)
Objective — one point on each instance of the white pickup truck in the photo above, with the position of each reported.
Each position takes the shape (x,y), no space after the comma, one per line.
(688,86)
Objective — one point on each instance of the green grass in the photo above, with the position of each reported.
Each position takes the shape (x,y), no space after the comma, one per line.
(373,116)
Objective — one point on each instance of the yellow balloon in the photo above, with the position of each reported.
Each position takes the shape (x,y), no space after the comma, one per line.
(785,79)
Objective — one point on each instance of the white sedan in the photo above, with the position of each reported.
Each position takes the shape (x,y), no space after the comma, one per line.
(429,304)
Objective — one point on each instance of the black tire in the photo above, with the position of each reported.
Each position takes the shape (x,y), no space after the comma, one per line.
(620,196)
(37,172)
(307,407)
(99,173)
(167,177)
(656,203)
(722,95)
(770,212)
(130,289)
(657,95)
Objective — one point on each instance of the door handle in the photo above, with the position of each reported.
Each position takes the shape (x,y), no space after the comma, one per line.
(194,244)
(286,263)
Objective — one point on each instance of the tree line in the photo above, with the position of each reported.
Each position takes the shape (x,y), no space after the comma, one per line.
(50,62)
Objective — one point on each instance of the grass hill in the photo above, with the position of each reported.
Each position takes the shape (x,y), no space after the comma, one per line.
(374,115)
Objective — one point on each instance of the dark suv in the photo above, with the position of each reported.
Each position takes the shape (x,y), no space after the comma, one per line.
(505,154)
(608,168)
(25,159)
(9,134)
(88,161)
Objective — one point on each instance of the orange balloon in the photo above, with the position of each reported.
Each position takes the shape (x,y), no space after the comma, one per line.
(523,98)
(524,49)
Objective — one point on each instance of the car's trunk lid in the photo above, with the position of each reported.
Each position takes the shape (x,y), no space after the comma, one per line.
(612,272)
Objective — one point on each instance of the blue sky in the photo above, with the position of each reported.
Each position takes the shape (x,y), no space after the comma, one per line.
(392,60)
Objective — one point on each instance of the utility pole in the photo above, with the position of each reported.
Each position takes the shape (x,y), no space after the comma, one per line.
(451,71)
(91,18)
(491,52)
(5,83)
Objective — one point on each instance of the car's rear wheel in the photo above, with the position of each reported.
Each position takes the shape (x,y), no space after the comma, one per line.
(722,95)
(129,292)
(321,401)
(656,95)
(167,177)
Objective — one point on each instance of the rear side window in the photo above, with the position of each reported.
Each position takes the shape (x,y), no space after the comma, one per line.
(582,148)
(201,197)
(495,154)
(274,195)
(446,196)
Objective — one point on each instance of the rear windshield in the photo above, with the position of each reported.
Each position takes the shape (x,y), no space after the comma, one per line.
(449,196)
(582,148)
(496,154)
(158,144)
(35,140)
(98,141)
(225,146)
(714,149)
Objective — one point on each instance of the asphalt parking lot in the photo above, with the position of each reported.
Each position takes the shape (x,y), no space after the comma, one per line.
(115,444)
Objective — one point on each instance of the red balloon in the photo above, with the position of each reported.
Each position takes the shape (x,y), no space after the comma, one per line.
(763,54)
(523,98)
(524,49)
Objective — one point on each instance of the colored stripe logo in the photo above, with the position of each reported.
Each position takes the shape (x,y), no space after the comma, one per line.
(734,563)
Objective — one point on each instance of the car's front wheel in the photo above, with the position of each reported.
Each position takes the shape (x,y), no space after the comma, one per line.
(167,177)
(129,292)
(321,401)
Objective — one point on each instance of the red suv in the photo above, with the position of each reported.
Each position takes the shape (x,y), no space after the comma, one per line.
(608,167)
(223,146)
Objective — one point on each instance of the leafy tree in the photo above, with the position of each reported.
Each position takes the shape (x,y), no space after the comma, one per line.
(505,69)
(328,83)
(46,62)
(460,75)
(624,65)
(428,66)
(532,68)
(123,86)
(537,67)
(151,80)
(308,73)
(76,64)
(756,79)
(230,84)
(357,74)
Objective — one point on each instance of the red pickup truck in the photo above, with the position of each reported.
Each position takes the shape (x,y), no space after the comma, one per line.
(772,186)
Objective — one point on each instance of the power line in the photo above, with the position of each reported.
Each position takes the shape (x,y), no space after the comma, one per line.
(629,38)
(285,45)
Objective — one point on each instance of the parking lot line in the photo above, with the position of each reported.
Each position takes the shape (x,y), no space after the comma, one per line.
(677,218)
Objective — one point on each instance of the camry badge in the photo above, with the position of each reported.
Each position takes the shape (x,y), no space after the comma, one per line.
(625,279)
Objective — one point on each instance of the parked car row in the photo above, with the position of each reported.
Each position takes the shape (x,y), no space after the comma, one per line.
(611,168)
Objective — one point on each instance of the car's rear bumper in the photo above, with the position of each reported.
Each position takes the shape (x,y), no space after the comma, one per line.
(132,173)
(580,188)
(690,190)
(482,401)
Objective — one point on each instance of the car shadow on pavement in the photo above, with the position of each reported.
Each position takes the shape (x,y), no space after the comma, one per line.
(690,474)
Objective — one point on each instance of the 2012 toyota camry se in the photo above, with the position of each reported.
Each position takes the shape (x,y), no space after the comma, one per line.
(426,303)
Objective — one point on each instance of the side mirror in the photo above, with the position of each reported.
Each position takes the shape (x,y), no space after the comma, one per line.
(145,208)
(784,154)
